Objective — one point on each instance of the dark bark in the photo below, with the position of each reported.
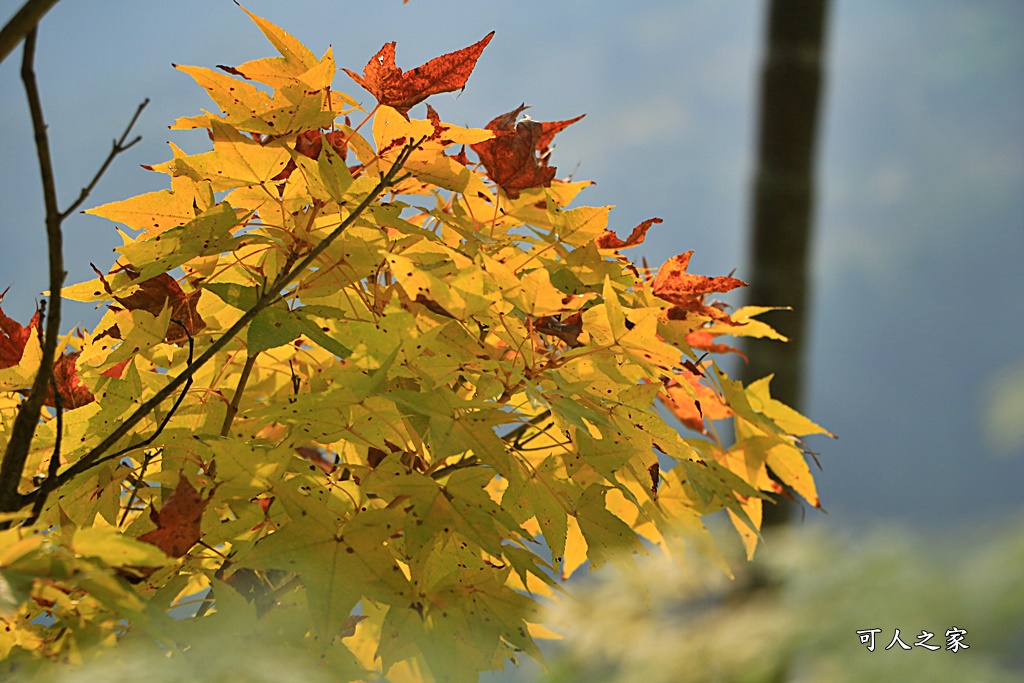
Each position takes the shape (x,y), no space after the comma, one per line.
(21,24)
(783,198)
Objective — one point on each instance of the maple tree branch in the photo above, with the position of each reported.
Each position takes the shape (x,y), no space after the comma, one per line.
(96,455)
(443,472)
(27,420)
(118,147)
(21,24)
(50,482)
(23,431)
(250,361)
(146,457)
(386,181)
(163,423)
(516,433)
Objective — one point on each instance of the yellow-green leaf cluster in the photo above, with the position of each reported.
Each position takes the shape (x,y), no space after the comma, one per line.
(406,389)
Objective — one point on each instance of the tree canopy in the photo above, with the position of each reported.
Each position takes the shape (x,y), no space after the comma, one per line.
(359,396)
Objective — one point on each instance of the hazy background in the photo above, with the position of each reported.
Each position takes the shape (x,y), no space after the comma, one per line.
(915,350)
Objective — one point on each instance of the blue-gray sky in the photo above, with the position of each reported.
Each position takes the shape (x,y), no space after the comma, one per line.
(919,291)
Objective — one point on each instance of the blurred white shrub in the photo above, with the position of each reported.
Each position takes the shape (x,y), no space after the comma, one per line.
(699,628)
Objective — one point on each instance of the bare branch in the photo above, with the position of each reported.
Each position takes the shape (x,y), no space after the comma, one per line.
(139,481)
(16,453)
(21,24)
(28,413)
(118,147)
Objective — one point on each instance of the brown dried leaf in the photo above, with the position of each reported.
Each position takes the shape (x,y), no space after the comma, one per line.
(178,523)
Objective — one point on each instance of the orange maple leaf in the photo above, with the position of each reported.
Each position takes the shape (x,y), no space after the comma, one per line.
(178,522)
(687,291)
(516,158)
(609,240)
(692,412)
(705,341)
(404,90)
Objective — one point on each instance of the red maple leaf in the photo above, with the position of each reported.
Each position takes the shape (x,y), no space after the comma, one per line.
(516,158)
(13,337)
(73,393)
(404,90)
(609,240)
(687,291)
(310,143)
(461,156)
(153,294)
(179,521)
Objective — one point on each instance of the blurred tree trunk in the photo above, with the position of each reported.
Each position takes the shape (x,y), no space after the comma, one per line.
(783,198)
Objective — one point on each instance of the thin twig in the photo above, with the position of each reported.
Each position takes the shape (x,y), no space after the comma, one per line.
(236,400)
(518,432)
(167,418)
(53,480)
(118,147)
(146,457)
(443,472)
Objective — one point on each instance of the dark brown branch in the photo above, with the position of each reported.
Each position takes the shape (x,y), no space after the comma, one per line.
(272,294)
(167,418)
(28,413)
(52,480)
(21,24)
(13,464)
(519,431)
(50,483)
(441,473)
(139,481)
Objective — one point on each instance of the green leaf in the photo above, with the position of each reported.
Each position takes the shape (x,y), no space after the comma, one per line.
(117,550)
(272,327)
(339,564)
(242,297)
(207,234)
(609,539)
(312,329)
